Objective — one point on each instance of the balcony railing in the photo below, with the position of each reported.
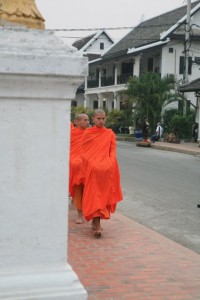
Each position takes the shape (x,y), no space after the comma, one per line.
(108,80)
(123,78)
(92,83)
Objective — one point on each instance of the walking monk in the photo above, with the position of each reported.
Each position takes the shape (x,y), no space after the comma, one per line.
(76,175)
(102,179)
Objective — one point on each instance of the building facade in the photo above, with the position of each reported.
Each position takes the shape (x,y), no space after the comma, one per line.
(156,45)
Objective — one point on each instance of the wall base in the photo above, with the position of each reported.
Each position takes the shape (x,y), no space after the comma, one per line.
(52,285)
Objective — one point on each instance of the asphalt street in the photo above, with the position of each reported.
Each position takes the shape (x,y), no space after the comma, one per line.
(161,191)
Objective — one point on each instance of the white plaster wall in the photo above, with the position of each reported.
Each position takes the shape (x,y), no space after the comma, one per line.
(170,61)
(34,171)
(80,99)
(38,77)
(95,47)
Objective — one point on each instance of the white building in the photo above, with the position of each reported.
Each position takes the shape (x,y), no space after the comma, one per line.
(93,47)
(156,45)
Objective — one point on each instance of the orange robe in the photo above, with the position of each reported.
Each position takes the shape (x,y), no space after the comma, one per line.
(72,125)
(102,179)
(76,176)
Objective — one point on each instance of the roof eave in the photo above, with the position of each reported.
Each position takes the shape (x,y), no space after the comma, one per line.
(159,43)
(180,22)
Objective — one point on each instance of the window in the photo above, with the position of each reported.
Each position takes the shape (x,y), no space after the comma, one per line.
(150,64)
(95,104)
(182,65)
(104,72)
(102,46)
(197,60)
(127,68)
(97,73)
(74,103)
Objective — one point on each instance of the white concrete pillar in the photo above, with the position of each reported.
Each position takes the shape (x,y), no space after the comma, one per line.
(86,101)
(86,83)
(38,77)
(109,103)
(136,66)
(100,100)
(117,98)
(100,72)
(198,119)
(116,73)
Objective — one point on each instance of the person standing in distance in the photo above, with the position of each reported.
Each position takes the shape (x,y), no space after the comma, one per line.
(102,189)
(76,172)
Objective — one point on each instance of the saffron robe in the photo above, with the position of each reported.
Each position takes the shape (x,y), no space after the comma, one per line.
(76,175)
(102,188)
(72,125)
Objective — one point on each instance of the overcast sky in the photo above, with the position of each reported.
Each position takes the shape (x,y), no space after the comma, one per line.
(93,14)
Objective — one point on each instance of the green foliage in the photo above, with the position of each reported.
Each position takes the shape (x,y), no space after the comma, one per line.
(175,122)
(149,94)
(114,120)
(81,110)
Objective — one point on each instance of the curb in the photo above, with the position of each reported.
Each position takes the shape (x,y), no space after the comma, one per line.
(166,148)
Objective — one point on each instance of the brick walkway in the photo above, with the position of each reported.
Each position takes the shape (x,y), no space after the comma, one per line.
(131,262)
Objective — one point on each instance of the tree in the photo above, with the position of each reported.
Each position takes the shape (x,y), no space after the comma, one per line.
(149,94)
(114,119)
(175,122)
(80,110)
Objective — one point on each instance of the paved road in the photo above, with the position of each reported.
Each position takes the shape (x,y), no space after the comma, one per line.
(161,190)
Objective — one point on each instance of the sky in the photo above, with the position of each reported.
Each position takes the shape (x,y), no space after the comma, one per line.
(92,14)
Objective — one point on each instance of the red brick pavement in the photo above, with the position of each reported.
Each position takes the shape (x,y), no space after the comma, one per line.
(131,262)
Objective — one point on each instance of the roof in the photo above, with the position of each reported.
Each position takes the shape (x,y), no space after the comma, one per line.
(193,86)
(149,31)
(84,43)
(92,56)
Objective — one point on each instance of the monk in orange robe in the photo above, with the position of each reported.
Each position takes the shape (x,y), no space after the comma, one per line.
(76,171)
(102,179)
(71,125)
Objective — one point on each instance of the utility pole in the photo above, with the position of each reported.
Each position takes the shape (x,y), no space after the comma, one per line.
(186,50)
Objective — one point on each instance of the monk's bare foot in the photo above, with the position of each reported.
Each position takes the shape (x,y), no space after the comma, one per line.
(79,221)
(97,234)
(80,218)
(97,227)
(94,227)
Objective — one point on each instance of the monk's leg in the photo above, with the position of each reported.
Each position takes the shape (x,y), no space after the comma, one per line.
(97,227)
(78,194)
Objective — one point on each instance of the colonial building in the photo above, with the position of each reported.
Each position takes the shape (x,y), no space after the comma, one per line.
(155,45)
(93,47)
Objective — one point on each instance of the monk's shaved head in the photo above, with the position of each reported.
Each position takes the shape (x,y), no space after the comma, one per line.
(99,111)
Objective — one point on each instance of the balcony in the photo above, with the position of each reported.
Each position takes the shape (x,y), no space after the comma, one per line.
(106,81)
(92,83)
(123,78)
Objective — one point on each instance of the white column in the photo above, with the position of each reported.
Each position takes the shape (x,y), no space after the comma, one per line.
(100,78)
(85,82)
(109,103)
(117,98)
(116,73)
(198,119)
(86,101)
(100,100)
(136,66)
(38,77)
